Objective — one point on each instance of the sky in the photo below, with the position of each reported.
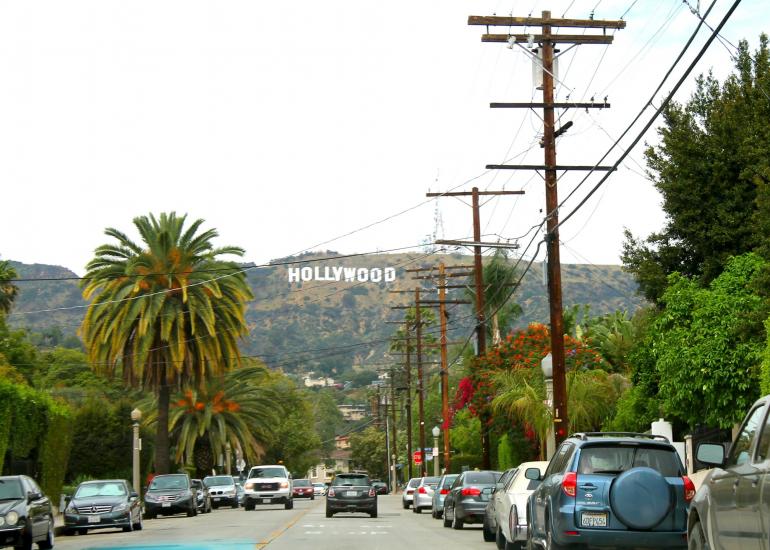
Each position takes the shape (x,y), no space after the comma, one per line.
(305,125)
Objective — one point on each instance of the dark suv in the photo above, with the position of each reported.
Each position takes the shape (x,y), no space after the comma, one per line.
(170,494)
(610,489)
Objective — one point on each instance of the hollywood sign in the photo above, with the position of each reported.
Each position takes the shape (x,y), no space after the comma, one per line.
(340,273)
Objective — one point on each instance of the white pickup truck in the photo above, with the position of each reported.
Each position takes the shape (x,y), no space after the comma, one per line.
(268,485)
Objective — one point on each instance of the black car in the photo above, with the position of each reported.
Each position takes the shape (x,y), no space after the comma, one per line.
(26,515)
(170,494)
(351,493)
(380,487)
(467,500)
(203,496)
(101,504)
(224,491)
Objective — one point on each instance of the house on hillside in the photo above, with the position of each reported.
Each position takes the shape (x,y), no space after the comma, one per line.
(338,462)
(353,413)
(321,382)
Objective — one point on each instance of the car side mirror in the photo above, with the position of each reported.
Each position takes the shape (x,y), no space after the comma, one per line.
(711,453)
(32,496)
(133,494)
(533,474)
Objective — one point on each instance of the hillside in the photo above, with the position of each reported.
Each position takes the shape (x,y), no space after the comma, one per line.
(329,325)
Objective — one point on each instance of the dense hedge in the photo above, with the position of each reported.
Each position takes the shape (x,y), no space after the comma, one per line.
(32,424)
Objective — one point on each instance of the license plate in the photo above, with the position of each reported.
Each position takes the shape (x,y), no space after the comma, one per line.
(588,519)
(94,519)
(350,493)
(165,505)
(217,499)
(265,501)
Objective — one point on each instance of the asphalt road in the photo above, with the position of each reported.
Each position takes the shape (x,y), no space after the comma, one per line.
(273,528)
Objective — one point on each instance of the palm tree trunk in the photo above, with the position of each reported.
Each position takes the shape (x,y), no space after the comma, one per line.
(162,460)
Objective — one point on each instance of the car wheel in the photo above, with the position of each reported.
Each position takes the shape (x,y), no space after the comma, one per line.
(25,543)
(416,509)
(696,540)
(289,504)
(457,523)
(447,521)
(405,504)
(373,513)
(486,531)
(149,516)
(192,511)
(329,513)
(82,531)
(248,505)
(500,539)
(130,527)
(138,524)
(47,544)
(312,497)
(551,544)
(234,504)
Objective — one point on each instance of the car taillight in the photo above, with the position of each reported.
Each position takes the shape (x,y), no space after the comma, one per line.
(409,491)
(689,489)
(471,491)
(569,484)
(422,490)
(444,491)
(372,492)
(330,492)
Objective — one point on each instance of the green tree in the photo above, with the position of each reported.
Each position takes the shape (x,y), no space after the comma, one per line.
(707,346)
(8,290)
(328,418)
(712,168)
(368,452)
(499,278)
(165,314)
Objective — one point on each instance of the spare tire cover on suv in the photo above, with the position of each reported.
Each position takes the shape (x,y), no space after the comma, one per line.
(640,498)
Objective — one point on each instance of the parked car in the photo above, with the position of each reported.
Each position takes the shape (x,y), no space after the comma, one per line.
(303,489)
(423,494)
(351,493)
(467,499)
(319,489)
(26,516)
(506,519)
(268,485)
(203,498)
(442,488)
(407,497)
(590,494)
(380,487)
(732,506)
(170,494)
(223,491)
(103,504)
(488,526)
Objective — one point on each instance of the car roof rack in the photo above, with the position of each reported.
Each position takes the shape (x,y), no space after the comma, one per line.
(583,436)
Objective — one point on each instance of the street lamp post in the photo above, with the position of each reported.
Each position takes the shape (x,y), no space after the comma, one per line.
(136,416)
(547,365)
(228,458)
(436,433)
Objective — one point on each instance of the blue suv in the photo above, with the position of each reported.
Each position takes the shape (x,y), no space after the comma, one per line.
(612,489)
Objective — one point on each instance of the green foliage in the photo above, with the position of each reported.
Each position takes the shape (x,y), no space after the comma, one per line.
(713,172)
(55,449)
(102,441)
(706,346)
(328,418)
(765,372)
(505,454)
(368,452)
(634,412)
(8,290)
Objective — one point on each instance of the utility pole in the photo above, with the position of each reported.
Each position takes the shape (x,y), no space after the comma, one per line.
(546,40)
(444,364)
(481,324)
(394,446)
(420,386)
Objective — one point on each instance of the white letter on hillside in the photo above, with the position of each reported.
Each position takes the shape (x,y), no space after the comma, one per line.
(307,274)
(337,272)
(293,274)
(350,273)
(390,274)
(376,275)
(363,274)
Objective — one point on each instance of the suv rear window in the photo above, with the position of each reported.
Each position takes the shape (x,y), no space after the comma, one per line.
(350,480)
(481,477)
(616,459)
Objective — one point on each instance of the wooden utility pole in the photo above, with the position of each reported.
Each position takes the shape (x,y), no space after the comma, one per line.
(481,325)
(444,366)
(408,373)
(420,384)
(394,447)
(546,40)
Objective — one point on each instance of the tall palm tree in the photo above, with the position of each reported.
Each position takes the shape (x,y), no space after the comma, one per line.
(166,314)
(8,290)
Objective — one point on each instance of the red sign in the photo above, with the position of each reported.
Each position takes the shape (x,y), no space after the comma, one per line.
(417,457)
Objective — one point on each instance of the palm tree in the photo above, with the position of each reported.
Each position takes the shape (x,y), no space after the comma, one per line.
(166,314)
(8,290)
(499,278)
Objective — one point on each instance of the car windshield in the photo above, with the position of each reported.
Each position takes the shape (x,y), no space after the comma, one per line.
(10,488)
(480,478)
(218,481)
(319,485)
(350,480)
(414,482)
(162,483)
(267,472)
(301,483)
(616,459)
(101,489)
(448,480)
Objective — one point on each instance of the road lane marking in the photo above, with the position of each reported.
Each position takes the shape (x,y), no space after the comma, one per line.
(280,531)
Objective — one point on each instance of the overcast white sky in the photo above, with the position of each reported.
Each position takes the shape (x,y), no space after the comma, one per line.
(286,124)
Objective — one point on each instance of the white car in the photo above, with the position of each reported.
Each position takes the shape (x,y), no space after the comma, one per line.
(319,489)
(268,485)
(407,497)
(509,521)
